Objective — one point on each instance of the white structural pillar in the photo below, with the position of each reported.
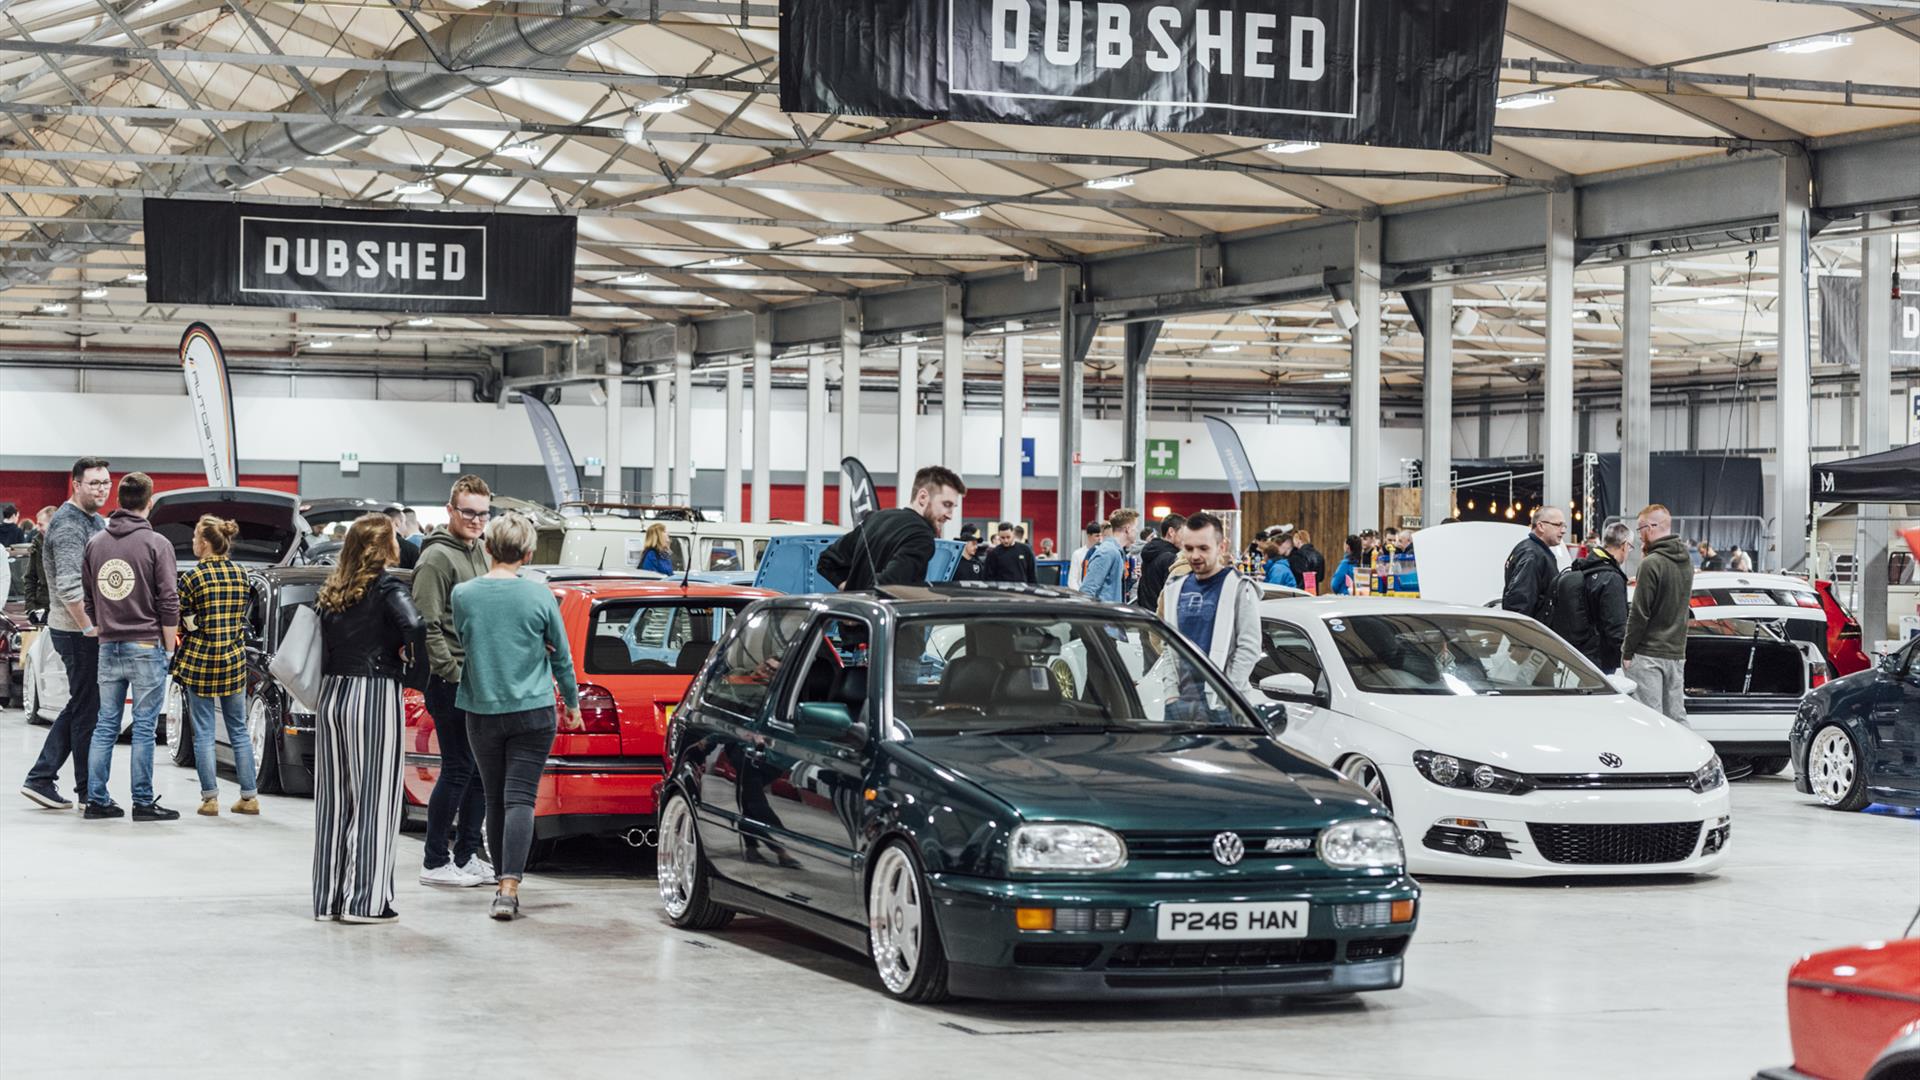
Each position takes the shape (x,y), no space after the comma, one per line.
(1794,382)
(849,396)
(611,472)
(907,426)
(813,501)
(1436,452)
(736,418)
(1636,391)
(1556,427)
(1363,485)
(662,485)
(953,391)
(1013,405)
(762,417)
(1876,390)
(683,416)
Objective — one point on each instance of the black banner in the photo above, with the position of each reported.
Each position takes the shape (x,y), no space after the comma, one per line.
(1409,73)
(263,255)
(861,497)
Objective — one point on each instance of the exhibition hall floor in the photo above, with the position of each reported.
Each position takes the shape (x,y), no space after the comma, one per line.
(187,949)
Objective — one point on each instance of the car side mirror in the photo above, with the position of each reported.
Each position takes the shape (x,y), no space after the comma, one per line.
(829,721)
(1294,687)
(1622,683)
(1274,715)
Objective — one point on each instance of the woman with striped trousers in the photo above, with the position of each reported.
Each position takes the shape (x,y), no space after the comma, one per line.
(371,634)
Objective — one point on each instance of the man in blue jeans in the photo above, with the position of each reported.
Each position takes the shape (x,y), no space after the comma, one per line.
(133,597)
(72,635)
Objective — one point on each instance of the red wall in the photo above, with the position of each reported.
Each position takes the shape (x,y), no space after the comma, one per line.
(788,503)
(33,490)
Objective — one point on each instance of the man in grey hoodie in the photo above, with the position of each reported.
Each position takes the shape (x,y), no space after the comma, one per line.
(133,598)
(449,557)
(1654,653)
(72,634)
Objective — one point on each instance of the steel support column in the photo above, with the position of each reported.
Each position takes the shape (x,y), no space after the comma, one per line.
(813,498)
(1076,339)
(734,434)
(614,453)
(762,416)
(1013,406)
(1363,483)
(1636,392)
(660,487)
(1876,390)
(1436,421)
(683,416)
(907,426)
(850,342)
(1140,339)
(1794,386)
(953,393)
(1556,429)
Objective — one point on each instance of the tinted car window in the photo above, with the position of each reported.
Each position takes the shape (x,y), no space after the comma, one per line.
(1286,649)
(750,661)
(1463,655)
(652,638)
(836,667)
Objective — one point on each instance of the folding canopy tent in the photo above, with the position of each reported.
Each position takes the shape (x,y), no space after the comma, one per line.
(1890,477)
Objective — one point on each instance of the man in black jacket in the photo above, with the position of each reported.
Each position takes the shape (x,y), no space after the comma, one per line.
(1306,559)
(1603,587)
(972,566)
(1010,560)
(893,547)
(1532,565)
(1157,558)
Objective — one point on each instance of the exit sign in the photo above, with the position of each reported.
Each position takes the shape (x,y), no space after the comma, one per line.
(1163,459)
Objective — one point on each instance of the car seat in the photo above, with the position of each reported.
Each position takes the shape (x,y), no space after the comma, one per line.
(971,679)
(1026,688)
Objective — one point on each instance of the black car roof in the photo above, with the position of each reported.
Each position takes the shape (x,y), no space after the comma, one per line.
(974,598)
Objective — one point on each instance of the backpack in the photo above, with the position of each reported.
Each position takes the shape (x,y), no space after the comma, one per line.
(1567,612)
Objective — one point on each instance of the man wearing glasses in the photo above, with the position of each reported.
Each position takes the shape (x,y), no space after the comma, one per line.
(74,636)
(1654,654)
(448,557)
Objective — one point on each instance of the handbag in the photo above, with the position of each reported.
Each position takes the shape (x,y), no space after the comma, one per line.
(301,658)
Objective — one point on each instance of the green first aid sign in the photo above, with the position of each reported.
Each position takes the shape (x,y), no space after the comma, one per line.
(1163,459)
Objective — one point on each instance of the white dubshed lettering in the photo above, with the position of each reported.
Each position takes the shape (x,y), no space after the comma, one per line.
(1220,41)
(1165,55)
(1010,43)
(276,255)
(369,253)
(1064,53)
(336,258)
(1113,36)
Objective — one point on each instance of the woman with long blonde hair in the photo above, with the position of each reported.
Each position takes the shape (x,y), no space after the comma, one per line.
(371,633)
(659,550)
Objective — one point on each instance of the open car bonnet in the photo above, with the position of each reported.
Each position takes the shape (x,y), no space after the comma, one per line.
(270,523)
(1465,562)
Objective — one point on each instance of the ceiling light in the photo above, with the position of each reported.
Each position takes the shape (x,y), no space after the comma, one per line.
(362,337)
(1766,343)
(97,292)
(1328,339)
(673,103)
(1108,183)
(1817,43)
(723,261)
(1466,322)
(836,240)
(1336,375)
(423,320)
(423,197)
(320,343)
(1050,365)
(1291,146)
(525,149)
(414,187)
(634,130)
(138,277)
(1223,348)
(1524,101)
(1717,301)
(965,213)
(53,307)
(635,278)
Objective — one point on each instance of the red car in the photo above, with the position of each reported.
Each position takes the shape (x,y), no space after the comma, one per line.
(1844,652)
(1854,1014)
(637,645)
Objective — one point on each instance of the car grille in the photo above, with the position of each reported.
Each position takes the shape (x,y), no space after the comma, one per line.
(1210,954)
(1616,845)
(1611,781)
(1199,845)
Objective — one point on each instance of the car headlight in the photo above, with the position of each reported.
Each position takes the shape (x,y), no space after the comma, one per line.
(1362,845)
(1461,774)
(1065,847)
(1708,776)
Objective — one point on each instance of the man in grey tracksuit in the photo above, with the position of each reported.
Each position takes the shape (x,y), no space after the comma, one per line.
(1654,653)
(72,634)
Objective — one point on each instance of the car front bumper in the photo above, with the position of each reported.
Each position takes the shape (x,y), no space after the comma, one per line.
(990,957)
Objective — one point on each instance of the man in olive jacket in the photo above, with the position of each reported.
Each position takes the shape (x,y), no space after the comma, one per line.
(1654,653)
(449,557)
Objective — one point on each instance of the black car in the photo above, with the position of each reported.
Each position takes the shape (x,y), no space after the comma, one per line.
(1013,792)
(1856,740)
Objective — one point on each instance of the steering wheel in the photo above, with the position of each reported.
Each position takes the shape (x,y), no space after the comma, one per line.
(955,707)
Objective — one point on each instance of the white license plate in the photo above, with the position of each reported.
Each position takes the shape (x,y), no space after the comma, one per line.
(1232,922)
(1751,598)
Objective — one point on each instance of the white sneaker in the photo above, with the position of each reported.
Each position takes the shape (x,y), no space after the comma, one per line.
(449,875)
(480,869)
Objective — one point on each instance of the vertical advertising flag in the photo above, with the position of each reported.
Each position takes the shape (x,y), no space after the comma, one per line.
(1233,457)
(204,366)
(861,498)
(553,449)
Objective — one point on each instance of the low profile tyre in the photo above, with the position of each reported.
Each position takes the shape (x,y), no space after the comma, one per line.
(179,740)
(1736,767)
(903,936)
(263,728)
(1363,772)
(1771,766)
(1835,771)
(685,882)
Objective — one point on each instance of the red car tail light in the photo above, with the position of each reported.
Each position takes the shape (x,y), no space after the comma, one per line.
(598,713)
(1698,600)
(1805,599)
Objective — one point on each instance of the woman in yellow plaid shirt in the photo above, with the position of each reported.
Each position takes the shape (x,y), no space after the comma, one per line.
(211,666)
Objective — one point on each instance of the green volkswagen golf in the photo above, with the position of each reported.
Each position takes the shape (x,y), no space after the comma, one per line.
(1016,793)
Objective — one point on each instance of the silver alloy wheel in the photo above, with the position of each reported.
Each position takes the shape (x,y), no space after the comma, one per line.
(1832,766)
(1365,773)
(679,858)
(174,725)
(258,718)
(30,689)
(894,913)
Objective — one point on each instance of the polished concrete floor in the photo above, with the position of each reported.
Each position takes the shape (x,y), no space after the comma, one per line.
(187,950)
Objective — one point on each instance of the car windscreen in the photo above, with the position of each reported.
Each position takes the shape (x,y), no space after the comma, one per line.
(651,637)
(956,675)
(1464,655)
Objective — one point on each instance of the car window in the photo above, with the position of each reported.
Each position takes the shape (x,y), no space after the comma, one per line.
(954,676)
(750,659)
(1286,649)
(759,552)
(1464,654)
(257,604)
(654,638)
(835,668)
(722,553)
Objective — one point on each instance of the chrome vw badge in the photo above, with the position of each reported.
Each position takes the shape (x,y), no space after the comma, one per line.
(1611,760)
(1228,849)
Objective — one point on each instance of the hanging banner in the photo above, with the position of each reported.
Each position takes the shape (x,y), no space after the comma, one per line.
(210,395)
(861,497)
(1840,321)
(266,255)
(553,450)
(1233,457)
(1411,73)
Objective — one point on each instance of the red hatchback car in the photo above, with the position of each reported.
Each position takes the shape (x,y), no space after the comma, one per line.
(1854,1014)
(637,645)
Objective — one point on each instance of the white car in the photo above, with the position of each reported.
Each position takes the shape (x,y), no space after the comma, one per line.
(1502,751)
(44,691)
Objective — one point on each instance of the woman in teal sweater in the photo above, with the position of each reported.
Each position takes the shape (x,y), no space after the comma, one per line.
(516,653)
